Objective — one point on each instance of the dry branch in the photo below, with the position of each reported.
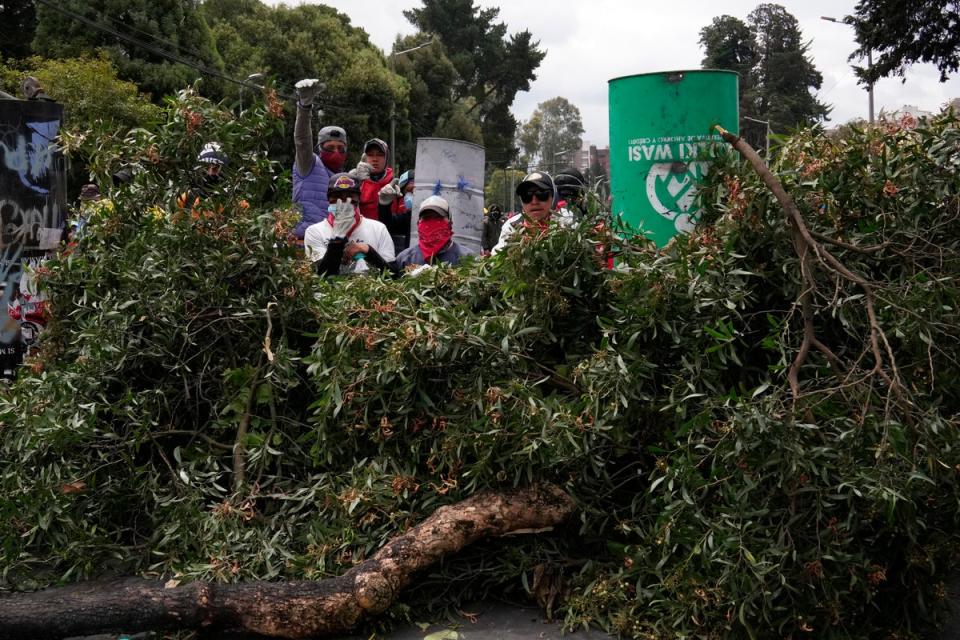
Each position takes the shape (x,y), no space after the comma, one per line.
(298,609)
(805,245)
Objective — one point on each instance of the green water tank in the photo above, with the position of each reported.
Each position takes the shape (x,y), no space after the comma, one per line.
(661,142)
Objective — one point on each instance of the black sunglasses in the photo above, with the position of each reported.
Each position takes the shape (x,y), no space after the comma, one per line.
(540,194)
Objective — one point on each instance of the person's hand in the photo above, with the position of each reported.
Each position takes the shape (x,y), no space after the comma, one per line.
(307,90)
(343,218)
(353,248)
(389,192)
(363,170)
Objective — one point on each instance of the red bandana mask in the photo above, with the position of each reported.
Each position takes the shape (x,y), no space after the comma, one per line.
(334,160)
(433,235)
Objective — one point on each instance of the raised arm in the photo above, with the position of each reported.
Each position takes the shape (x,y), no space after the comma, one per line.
(302,129)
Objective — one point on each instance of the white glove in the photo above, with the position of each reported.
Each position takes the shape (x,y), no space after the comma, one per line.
(307,90)
(389,192)
(363,170)
(343,218)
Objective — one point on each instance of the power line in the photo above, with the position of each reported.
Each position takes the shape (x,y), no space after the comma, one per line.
(158,52)
(180,60)
(181,48)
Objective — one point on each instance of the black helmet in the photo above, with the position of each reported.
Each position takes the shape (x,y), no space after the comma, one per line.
(570,183)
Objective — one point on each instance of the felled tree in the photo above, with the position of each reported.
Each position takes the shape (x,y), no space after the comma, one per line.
(207,410)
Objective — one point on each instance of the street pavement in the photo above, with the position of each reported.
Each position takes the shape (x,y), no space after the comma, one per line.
(495,621)
(491,621)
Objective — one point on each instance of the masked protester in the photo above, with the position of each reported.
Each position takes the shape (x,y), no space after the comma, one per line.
(492,224)
(571,188)
(211,161)
(538,196)
(435,243)
(347,243)
(374,175)
(312,170)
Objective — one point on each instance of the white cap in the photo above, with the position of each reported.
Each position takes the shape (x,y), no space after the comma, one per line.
(436,203)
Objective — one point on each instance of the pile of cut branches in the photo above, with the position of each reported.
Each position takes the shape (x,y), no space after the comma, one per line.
(757,427)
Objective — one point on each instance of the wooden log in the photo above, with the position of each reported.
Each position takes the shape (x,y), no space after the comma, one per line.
(294,609)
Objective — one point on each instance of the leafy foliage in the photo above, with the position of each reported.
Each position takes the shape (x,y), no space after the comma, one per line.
(904,33)
(729,43)
(499,188)
(492,66)
(288,44)
(204,407)
(174,26)
(776,76)
(115,103)
(19,22)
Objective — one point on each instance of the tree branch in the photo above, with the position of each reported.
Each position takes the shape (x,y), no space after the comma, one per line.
(805,245)
(300,609)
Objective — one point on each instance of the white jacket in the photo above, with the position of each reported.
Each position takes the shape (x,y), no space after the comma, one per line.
(371,232)
(563,217)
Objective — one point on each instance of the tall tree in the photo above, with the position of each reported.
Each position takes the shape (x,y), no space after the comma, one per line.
(729,44)
(902,33)
(19,20)
(552,133)
(310,41)
(492,66)
(785,75)
(431,77)
(145,28)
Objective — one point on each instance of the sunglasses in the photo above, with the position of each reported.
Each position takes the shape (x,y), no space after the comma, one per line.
(540,194)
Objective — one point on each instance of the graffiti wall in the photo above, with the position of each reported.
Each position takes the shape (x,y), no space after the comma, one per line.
(32,214)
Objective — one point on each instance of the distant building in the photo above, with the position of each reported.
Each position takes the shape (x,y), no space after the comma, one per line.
(591,157)
(907,110)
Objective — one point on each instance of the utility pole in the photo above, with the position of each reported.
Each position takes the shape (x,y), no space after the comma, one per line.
(393,104)
(869,67)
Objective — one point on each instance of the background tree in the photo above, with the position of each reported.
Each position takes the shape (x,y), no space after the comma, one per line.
(785,75)
(499,186)
(492,66)
(19,20)
(776,75)
(290,43)
(431,76)
(554,127)
(174,26)
(902,33)
(729,43)
(116,104)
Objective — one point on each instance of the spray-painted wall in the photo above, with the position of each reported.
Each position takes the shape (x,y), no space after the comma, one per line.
(32,214)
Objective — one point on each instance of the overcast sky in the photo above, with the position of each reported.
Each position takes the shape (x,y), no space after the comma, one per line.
(588,42)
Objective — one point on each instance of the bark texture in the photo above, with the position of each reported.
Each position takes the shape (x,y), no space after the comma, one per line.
(299,609)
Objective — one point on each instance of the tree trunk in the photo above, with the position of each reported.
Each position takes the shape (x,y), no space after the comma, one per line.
(282,609)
